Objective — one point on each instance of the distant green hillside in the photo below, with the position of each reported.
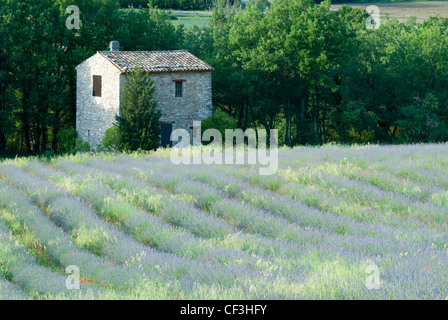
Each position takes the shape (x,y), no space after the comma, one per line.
(207,4)
(372,1)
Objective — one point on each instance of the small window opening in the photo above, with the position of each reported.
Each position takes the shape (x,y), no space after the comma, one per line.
(97,86)
(179,89)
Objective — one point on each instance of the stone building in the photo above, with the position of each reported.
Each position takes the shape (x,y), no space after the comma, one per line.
(183,90)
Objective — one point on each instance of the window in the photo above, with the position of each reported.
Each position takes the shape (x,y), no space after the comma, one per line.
(179,90)
(97,86)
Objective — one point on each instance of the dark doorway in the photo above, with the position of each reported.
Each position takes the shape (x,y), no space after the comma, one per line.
(167,128)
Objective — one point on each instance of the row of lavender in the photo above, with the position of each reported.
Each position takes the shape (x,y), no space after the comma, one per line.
(66,214)
(189,228)
(51,228)
(411,254)
(287,255)
(313,230)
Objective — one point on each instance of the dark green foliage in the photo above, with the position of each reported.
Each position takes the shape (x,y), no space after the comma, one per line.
(145,30)
(80,146)
(38,56)
(219,121)
(111,140)
(321,76)
(69,142)
(138,121)
(134,3)
(41,53)
(67,139)
(316,75)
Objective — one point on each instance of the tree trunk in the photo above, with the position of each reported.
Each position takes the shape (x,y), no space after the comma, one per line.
(43,146)
(54,142)
(288,124)
(254,122)
(240,116)
(318,122)
(2,141)
(324,131)
(246,116)
(37,130)
(266,125)
(300,118)
(26,121)
(26,132)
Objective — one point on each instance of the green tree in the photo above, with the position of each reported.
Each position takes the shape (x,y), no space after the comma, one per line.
(146,29)
(138,120)
(6,107)
(41,54)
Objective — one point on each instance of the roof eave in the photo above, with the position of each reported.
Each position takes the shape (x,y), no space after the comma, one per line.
(206,68)
(115,65)
(172,70)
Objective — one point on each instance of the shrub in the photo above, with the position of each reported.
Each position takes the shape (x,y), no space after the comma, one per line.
(80,146)
(219,121)
(111,140)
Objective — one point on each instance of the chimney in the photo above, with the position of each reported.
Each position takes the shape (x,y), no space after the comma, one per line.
(114,46)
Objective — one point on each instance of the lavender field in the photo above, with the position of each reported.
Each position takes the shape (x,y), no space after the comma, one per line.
(367,222)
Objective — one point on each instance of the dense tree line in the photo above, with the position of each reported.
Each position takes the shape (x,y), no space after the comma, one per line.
(316,75)
(38,57)
(321,76)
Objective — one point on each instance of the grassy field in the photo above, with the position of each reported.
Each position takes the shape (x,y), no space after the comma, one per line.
(396,10)
(191,18)
(404,10)
(333,223)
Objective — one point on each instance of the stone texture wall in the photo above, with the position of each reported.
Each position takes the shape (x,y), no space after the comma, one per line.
(195,103)
(94,115)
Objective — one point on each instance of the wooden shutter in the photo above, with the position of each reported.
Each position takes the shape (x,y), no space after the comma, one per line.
(97,86)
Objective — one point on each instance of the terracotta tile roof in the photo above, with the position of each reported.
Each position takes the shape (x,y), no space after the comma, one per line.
(156,61)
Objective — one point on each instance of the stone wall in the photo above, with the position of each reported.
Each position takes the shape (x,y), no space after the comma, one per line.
(195,103)
(94,115)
